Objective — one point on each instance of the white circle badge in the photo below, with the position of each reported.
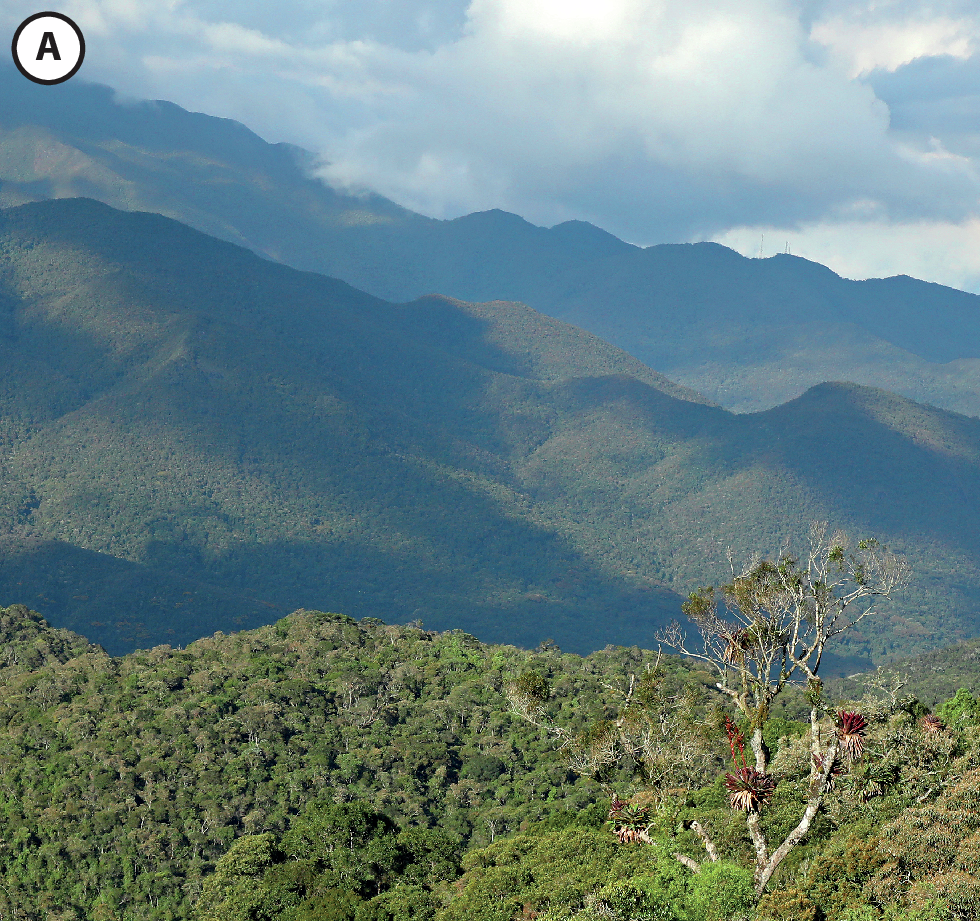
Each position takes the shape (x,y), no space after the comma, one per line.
(48,48)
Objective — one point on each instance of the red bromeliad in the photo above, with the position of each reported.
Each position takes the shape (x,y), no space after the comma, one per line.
(748,789)
(735,740)
(850,731)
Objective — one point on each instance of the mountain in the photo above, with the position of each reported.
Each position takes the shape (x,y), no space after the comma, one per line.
(932,676)
(217,438)
(196,439)
(748,333)
(152,786)
(124,780)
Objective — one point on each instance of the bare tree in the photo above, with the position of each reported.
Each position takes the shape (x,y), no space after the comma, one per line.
(769,628)
(765,630)
(663,734)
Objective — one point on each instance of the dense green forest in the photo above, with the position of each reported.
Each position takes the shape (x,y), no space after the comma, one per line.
(123,780)
(220,440)
(321,768)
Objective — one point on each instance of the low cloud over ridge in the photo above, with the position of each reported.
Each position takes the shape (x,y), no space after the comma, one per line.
(844,130)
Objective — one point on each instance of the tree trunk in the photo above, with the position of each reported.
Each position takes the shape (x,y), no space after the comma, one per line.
(815,744)
(709,845)
(689,862)
(817,789)
(759,750)
(759,843)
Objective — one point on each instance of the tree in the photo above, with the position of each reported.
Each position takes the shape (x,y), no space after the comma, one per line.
(337,862)
(764,631)
(233,892)
(769,628)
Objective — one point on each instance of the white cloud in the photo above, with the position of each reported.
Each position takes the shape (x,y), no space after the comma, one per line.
(876,36)
(688,112)
(937,251)
(656,119)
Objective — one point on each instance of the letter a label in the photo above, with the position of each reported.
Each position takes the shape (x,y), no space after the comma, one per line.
(48,48)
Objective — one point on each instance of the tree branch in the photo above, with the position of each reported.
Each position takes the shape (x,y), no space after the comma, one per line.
(708,843)
(765,871)
(688,862)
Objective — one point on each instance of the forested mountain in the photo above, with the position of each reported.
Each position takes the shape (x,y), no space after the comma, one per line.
(376,773)
(211,438)
(931,676)
(198,439)
(122,781)
(747,333)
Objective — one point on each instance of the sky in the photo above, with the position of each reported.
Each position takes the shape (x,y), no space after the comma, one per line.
(845,132)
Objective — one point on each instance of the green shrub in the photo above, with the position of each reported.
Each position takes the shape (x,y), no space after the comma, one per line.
(962,709)
(640,899)
(721,891)
(786,905)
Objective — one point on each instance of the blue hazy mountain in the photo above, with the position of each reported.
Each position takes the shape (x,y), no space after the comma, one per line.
(747,333)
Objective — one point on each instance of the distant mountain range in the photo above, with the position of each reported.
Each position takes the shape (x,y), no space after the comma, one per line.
(749,334)
(194,438)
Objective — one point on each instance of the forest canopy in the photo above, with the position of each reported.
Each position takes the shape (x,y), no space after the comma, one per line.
(163,784)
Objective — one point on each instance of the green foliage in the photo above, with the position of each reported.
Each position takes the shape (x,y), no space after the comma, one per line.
(350,845)
(340,862)
(930,677)
(790,904)
(778,729)
(839,873)
(132,788)
(580,874)
(552,873)
(124,781)
(231,893)
(962,710)
(642,898)
(534,687)
(721,891)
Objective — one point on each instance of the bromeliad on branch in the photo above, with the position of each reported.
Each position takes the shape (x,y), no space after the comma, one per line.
(631,823)
(764,631)
(768,629)
(748,789)
(850,731)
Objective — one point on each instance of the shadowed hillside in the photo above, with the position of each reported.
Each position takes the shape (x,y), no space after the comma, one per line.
(231,438)
(197,439)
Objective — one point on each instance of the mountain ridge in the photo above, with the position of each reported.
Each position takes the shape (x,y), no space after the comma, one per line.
(222,438)
(749,334)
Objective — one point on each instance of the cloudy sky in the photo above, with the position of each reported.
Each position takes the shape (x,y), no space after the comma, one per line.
(847,131)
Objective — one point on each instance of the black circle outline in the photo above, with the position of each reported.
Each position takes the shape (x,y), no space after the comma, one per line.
(81,48)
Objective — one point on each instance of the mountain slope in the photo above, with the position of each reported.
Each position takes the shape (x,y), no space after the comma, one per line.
(748,333)
(124,780)
(230,437)
(197,439)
